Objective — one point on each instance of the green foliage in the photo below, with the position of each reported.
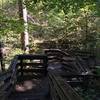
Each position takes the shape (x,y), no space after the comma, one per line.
(66,5)
(9,18)
(74,22)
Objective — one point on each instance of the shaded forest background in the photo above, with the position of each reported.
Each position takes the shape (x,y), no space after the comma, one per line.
(64,24)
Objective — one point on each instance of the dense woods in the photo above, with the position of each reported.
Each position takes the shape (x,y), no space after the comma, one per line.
(70,24)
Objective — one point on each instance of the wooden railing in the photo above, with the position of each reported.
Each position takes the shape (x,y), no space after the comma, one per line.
(8,80)
(35,66)
(70,63)
(32,66)
(60,89)
(81,53)
(63,87)
(89,57)
(22,67)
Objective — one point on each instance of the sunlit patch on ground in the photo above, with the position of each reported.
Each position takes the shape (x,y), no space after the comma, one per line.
(27,85)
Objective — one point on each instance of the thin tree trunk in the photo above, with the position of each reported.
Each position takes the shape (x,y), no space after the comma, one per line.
(23,18)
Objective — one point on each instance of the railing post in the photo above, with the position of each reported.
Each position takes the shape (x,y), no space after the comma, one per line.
(2,64)
(21,62)
(45,64)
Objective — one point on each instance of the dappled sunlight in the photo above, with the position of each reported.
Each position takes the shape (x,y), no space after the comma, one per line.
(27,85)
(20,88)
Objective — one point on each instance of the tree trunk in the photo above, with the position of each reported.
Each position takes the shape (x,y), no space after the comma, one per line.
(23,18)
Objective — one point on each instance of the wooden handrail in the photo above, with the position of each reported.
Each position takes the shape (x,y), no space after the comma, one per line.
(66,59)
(8,79)
(31,57)
(61,88)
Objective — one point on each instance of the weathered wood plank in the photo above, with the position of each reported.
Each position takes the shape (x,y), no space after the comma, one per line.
(32,70)
(31,57)
(5,86)
(5,75)
(53,91)
(64,90)
(30,64)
